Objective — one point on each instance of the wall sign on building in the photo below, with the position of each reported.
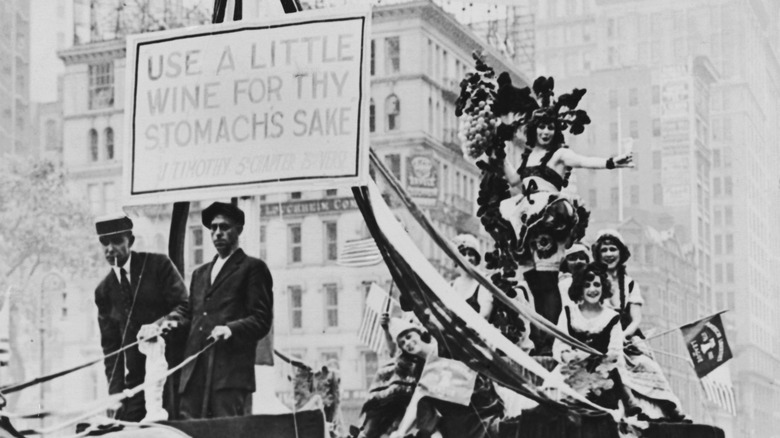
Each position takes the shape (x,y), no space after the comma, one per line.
(247,108)
(422,176)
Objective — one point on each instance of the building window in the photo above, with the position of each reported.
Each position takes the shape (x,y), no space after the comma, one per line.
(93,145)
(593,198)
(109,134)
(51,135)
(296,306)
(613,196)
(633,128)
(716,187)
(370,367)
(658,194)
(716,158)
(656,91)
(729,272)
(295,195)
(729,243)
(729,216)
(393,162)
(634,194)
(294,243)
(718,273)
(101,85)
(633,97)
(392,55)
(331,241)
(657,160)
(718,217)
(371,116)
(331,193)
(728,187)
(656,127)
(613,98)
(263,242)
(718,244)
(373,57)
(331,305)
(196,248)
(393,111)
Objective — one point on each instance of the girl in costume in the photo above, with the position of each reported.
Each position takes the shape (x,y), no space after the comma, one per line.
(467,287)
(545,221)
(575,259)
(591,322)
(645,387)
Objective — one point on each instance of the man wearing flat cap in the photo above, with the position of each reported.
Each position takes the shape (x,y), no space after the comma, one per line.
(231,301)
(141,290)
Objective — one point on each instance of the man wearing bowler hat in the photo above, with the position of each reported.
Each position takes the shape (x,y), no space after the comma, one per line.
(231,302)
(140,289)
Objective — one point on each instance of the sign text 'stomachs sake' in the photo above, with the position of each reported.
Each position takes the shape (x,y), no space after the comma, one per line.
(246,108)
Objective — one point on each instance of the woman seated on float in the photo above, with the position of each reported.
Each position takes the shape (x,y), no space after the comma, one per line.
(645,386)
(591,322)
(466,287)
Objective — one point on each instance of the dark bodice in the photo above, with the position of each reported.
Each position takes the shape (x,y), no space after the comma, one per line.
(541,171)
(599,340)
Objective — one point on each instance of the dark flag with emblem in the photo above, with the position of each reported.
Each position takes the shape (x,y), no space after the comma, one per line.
(707,345)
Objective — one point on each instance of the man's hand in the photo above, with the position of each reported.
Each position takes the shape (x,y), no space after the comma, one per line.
(384,320)
(168,325)
(221,333)
(148,331)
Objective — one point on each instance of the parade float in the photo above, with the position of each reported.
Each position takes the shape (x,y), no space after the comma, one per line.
(532,224)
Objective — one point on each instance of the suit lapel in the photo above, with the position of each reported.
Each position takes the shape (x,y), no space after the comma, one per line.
(230,266)
(137,268)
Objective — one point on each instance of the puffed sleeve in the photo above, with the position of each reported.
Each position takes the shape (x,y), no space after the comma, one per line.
(634,294)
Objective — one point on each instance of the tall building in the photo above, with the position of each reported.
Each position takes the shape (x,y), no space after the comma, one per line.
(14,77)
(740,41)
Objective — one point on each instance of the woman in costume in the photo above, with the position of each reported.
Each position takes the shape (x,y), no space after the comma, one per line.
(645,386)
(468,288)
(575,259)
(545,221)
(591,322)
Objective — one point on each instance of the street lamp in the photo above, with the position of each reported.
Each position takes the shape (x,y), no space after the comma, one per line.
(52,280)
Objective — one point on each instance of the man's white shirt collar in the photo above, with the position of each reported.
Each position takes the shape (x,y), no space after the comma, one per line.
(127,269)
(218,264)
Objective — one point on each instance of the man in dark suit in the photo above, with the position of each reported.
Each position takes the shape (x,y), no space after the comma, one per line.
(231,301)
(141,289)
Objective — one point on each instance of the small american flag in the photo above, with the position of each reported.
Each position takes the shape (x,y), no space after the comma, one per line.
(370,332)
(719,389)
(359,253)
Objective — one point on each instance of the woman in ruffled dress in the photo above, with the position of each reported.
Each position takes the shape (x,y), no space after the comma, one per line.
(645,386)
(545,221)
(590,321)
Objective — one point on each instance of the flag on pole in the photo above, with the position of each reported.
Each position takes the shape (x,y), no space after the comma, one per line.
(719,389)
(707,345)
(359,253)
(370,332)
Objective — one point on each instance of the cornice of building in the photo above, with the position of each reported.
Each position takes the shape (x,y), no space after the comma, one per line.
(93,52)
(447,24)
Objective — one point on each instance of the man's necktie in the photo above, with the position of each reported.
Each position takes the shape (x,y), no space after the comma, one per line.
(127,291)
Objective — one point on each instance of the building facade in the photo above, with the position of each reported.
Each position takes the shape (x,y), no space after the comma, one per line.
(740,39)
(14,77)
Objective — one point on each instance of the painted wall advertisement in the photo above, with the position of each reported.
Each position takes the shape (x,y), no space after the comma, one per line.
(246,108)
(422,176)
(676,110)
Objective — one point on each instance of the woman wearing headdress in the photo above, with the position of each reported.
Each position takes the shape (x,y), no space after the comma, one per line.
(545,221)
(467,287)
(645,386)
(575,259)
(590,321)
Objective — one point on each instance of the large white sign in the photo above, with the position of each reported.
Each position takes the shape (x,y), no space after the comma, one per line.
(247,108)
